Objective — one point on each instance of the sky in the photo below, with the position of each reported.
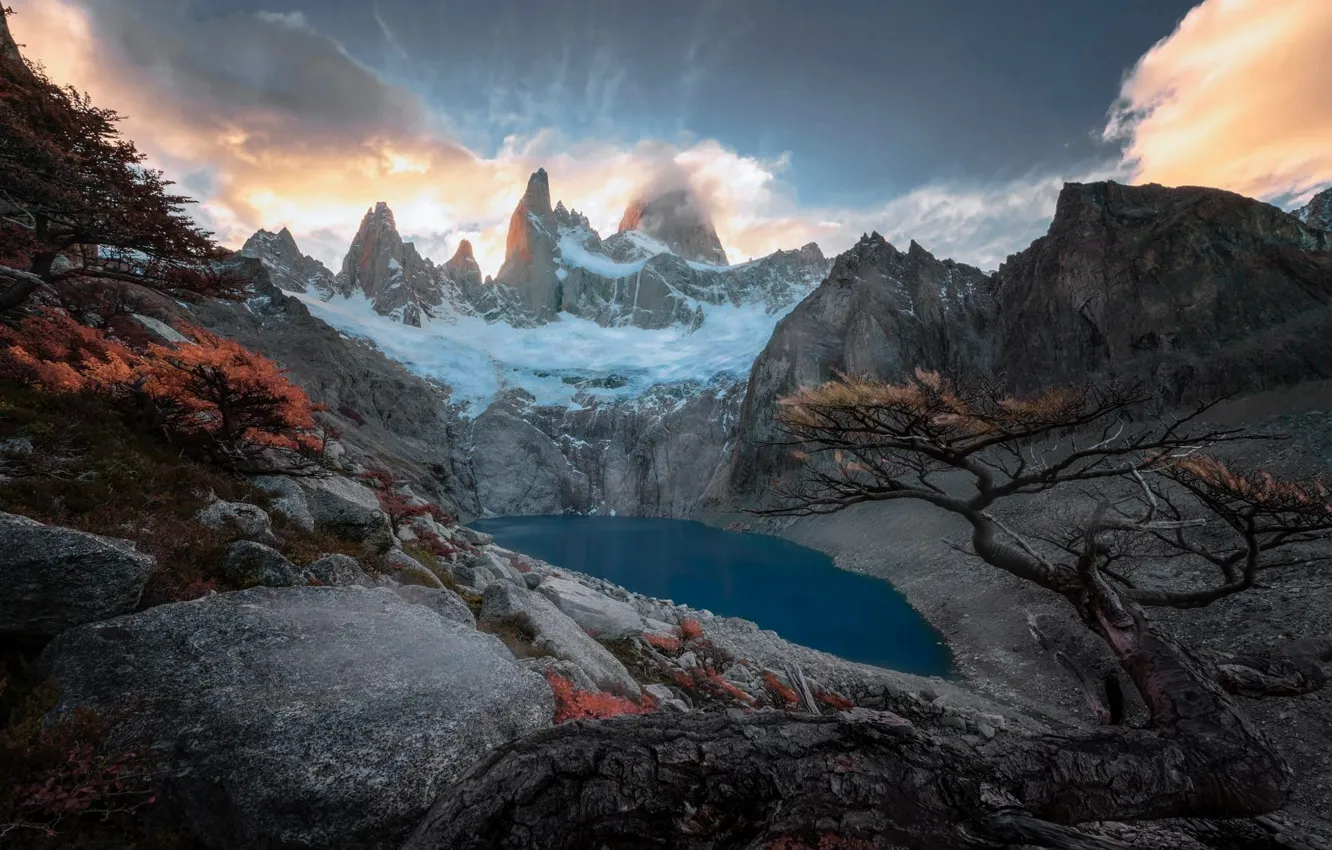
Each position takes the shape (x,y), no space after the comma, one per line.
(951,122)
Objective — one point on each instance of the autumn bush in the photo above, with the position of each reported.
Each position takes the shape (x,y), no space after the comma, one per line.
(210,396)
(574,704)
(689,630)
(398,507)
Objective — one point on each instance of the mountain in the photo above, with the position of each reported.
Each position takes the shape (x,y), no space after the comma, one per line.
(880,311)
(1318,212)
(1193,290)
(556,263)
(290,269)
(677,220)
(388,271)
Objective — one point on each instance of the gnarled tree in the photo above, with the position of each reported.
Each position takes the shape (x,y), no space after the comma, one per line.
(869,779)
(77,205)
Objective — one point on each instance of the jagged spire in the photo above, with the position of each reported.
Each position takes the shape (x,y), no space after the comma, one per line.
(464,253)
(537,196)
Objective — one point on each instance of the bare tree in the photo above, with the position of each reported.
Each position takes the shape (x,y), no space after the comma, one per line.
(763,779)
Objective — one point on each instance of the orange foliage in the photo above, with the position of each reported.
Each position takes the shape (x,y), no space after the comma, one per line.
(833,700)
(689,630)
(212,389)
(665,643)
(781,689)
(574,704)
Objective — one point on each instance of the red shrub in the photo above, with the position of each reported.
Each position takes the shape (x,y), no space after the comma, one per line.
(833,700)
(398,507)
(689,630)
(573,704)
(665,643)
(719,686)
(786,693)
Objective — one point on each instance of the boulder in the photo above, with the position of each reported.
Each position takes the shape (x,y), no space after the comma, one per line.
(557,633)
(288,499)
(339,571)
(346,508)
(54,578)
(600,615)
(250,564)
(300,717)
(441,600)
(406,570)
(476,538)
(248,521)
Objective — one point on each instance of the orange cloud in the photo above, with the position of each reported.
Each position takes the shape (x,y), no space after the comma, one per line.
(1239,97)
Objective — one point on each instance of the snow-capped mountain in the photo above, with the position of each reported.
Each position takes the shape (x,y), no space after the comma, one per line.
(558,264)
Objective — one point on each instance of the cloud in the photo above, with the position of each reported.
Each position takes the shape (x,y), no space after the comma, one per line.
(270,123)
(1239,96)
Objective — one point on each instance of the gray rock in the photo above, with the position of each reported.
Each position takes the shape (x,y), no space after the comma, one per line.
(531,580)
(667,698)
(441,600)
(288,499)
(250,564)
(597,613)
(406,570)
(339,571)
(557,633)
(474,537)
(248,521)
(303,717)
(54,578)
(346,508)
(562,667)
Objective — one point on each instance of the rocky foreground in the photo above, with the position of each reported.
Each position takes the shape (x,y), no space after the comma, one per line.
(331,704)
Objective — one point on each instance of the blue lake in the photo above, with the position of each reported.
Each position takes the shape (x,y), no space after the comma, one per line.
(795,591)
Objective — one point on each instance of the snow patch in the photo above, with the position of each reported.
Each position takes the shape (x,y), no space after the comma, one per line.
(556,361)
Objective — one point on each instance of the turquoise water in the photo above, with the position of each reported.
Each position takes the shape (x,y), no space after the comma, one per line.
(795,591)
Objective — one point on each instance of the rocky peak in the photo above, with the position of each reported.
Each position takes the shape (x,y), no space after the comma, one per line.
(678,220)
(530,251)
(289,269)
(388,271)
(536,199)
(1318,212)
(463,254)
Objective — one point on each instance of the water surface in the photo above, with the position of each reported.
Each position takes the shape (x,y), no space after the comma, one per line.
(795,591)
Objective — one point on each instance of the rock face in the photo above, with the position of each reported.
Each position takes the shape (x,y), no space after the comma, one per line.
(301,717)
(650,456)
(678,220)
(529,252)
(1190,288)
(881,311)
(389,271)
(597,614)
(54,578)
(245,520)
(1318,212)
(291,270)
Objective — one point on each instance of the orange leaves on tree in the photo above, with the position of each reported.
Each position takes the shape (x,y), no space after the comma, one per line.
(574,704)
(212,390)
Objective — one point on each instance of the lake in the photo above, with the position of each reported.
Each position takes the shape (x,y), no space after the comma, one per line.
(795,591)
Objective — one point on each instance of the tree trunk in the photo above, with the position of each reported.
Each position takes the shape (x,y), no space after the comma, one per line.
(732,780)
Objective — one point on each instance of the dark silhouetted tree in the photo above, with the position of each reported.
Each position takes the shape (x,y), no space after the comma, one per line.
(76,202)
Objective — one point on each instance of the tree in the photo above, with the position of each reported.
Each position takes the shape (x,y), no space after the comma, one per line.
(77,203)
(872,776)
(239,403)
